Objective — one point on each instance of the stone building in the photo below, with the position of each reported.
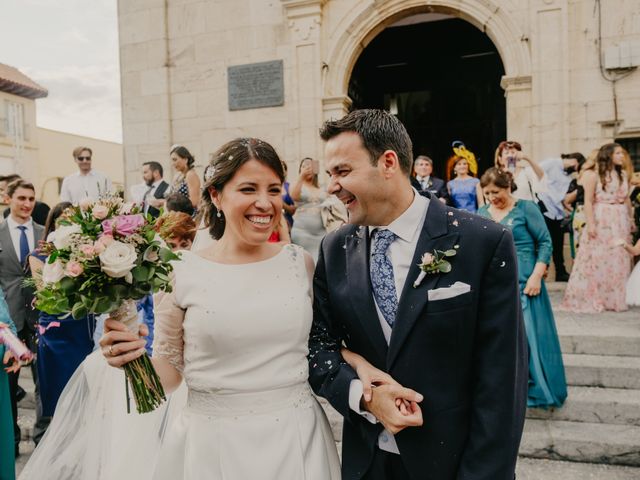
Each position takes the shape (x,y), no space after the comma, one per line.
(556,75)
(41,155)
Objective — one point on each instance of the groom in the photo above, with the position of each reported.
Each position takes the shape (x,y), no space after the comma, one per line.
(455,341)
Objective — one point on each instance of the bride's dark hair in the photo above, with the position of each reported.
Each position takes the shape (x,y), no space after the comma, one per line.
(223,166)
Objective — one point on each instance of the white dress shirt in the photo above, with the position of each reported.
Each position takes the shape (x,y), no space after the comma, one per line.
(407,228)
(16,233)
(77,187)
(149,194)
(423,181)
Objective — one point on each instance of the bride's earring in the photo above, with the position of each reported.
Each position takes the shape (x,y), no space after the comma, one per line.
(219,214)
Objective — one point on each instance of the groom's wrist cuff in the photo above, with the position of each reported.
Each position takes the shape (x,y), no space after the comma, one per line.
(355,397)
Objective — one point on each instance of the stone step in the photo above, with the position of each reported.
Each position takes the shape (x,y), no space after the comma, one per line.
(541,469)
(608,333)
(606,371)
(617,406)
(581,442)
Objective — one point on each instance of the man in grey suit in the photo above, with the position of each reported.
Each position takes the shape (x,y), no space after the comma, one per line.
(19,235)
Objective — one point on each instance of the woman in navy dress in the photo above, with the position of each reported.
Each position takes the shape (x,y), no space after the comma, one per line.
(463,190)
(547,384)
(63,343)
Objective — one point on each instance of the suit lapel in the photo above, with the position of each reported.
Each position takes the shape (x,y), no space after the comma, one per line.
(7,244)
(434,236)
(360,290)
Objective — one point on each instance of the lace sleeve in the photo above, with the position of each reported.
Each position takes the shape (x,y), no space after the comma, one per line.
(168,341)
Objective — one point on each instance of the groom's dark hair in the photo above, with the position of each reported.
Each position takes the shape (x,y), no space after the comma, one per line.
(379,131)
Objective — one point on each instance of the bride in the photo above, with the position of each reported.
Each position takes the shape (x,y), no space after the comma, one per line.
(235,328)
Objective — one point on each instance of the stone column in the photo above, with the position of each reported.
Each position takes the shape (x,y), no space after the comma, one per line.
(304,18)
(517,91)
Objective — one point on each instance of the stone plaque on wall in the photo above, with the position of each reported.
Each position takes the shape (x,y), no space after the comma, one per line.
(256,85)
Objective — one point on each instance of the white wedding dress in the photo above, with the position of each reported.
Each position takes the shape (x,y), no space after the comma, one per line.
(239,335)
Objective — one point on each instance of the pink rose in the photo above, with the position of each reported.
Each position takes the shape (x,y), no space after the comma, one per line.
(124,225)
(85,204)
(87,250)
(100,212)
(427,259)
(73,269)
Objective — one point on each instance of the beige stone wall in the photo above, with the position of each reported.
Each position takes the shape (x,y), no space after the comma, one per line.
(55,161)
(174,69)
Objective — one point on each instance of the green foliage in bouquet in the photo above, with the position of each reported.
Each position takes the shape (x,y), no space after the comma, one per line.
(103,256)
(100,257)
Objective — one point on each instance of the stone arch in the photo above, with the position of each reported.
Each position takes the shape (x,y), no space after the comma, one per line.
(368,19)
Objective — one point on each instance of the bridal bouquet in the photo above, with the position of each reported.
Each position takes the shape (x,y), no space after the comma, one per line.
(104,256)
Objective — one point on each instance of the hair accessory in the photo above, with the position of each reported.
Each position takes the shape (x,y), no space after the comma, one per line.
(230,157)
(174,146)
(209,172)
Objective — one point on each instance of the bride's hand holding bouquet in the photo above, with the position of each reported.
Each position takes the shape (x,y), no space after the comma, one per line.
(106,255)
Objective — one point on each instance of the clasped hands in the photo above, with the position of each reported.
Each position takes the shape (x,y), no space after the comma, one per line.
(395,406)
(11,367)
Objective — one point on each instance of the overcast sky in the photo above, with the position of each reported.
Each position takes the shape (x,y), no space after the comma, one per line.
(70,47)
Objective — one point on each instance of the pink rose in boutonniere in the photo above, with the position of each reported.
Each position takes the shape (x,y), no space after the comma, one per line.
(434,262)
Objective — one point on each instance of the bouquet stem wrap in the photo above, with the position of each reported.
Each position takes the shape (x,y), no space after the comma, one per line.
(148,393)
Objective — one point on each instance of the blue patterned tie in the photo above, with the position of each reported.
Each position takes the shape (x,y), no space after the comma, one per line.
(382,280)
(24,244)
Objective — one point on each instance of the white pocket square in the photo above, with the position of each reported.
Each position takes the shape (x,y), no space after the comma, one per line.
(454,290)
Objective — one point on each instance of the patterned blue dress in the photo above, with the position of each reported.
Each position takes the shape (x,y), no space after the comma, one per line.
(463,193)
(547,384)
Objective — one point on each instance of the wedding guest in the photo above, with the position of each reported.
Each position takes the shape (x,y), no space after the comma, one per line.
(86,183)
(40,210)
(288,204)
(633,283)
(178,229)
(9,365)
(187,182)
(63,342)
(558,174)
(528,176)
(176,202)
(463,189)
(19,235)
(574,202)
(424,182)
(547,383)
(599,270)
(308,229)
(153,198)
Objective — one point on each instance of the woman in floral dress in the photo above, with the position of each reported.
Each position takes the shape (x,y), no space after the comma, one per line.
(600,271)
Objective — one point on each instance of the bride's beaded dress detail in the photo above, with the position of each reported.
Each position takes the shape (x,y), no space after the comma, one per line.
(239,334)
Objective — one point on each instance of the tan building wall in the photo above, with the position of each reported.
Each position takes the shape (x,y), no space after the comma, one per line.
(175,55)
(55,161)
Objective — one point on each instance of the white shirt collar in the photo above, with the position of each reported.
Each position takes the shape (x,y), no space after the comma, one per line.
(14,225)
(156,183)
(91,173)
(407,225)
(423,179)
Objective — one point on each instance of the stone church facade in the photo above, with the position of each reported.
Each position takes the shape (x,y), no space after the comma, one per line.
(569,80)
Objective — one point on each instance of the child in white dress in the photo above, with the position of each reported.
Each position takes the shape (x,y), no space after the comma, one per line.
(633,283)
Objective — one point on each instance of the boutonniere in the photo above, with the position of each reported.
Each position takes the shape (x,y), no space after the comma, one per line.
(434,262)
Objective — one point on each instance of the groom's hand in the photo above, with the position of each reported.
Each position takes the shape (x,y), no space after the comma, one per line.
(383,405)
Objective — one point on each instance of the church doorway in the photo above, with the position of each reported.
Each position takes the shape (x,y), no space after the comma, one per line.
(441,76)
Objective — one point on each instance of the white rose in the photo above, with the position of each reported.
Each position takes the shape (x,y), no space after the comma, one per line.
(118,259)
(52,272)
(63,235)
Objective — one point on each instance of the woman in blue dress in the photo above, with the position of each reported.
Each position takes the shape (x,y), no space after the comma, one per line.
(463,190)
(547,384)
(7,450)
(63,343)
